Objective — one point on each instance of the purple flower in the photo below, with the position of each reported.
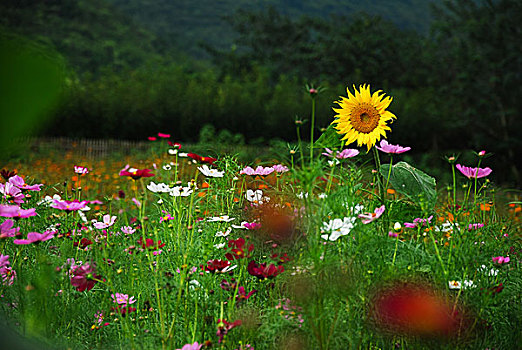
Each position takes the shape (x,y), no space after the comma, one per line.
(20,183)
(280,168)
(12,193)
(14,211)
(418,221)
(394,149)
(344,154)
(475,226)
(68,205)
(4,260)
(7,230)
(369,217)
(35,237)
(472,173)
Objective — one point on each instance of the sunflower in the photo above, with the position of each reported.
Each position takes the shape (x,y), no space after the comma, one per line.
(363,116)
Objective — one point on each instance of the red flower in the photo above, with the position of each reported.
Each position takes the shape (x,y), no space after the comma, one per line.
(149,243)
(217,265)
(165,136)
(151,138)
(224,327)
(84,277)
(263,271)
(237,251)
(200,159)
(242,295)
(135,173)
(175,145)
(281,259)
(84,242)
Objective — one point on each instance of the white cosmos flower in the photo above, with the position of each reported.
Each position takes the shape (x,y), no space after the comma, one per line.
(209,172)
(256,197)
(48,200)
(172,151)
(461,285)
(180,191)
(241,226)
(220,245)
(224,234)
(222,218)
(337,227)
(167,167)
(158,188)
(484,269)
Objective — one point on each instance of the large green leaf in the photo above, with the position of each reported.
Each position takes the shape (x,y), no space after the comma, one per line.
(411,182)
(329,139)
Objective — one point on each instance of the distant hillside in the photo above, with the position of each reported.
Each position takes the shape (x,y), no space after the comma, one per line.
(90,33)
(188,22)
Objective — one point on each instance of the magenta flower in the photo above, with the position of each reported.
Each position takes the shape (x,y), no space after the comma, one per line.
(122,299)
(194,346)
(280,168)
(80,170)
(20,183)
(418,222)
(84,277)
(108,221)
(344,154)
(128,230)
(167,217)
(69,206)
(475,226)
(35,237)
(6,272)
(134,173)
(7,230)
(14,211)
(501,259)
(472,173)
(394,149)
(242,294)
(366,218)
(12,193)
(165,136)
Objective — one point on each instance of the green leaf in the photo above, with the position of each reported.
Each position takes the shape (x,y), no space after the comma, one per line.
(411,182)
(329,139)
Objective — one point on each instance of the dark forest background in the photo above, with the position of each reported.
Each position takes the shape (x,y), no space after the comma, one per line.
(136,67)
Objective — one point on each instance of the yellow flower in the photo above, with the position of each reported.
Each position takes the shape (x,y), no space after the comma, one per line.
(362,117)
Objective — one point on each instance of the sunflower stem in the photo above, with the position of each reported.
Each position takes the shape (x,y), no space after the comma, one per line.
(378,165)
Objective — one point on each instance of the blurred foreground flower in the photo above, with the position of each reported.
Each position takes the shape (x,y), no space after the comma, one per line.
(84,277)
(134,173)
(415,310)
(35,237)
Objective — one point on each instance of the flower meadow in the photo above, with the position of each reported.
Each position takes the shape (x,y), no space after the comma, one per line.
(320,249)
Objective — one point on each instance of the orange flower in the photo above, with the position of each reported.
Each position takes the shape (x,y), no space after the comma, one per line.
(390,191)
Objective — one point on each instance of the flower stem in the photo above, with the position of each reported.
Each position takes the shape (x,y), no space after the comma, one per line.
(312,132)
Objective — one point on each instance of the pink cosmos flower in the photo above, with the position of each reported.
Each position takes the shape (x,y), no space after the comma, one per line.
(80,170)
(151,138)
(165,136)
(280,168)
(12,193)
(108,221)
(128,230)
(472,173)
(35,237)
(262,171)
(14,211)
(501,259)
(69,206)
(369,217)
(7,230)
(194,346)
(84,277)
(122,299)
(344,154)
(394,149)
(20,183)
(418,222)
(6,272)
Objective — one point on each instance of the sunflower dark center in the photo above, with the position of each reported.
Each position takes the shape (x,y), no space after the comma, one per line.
(364,118)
